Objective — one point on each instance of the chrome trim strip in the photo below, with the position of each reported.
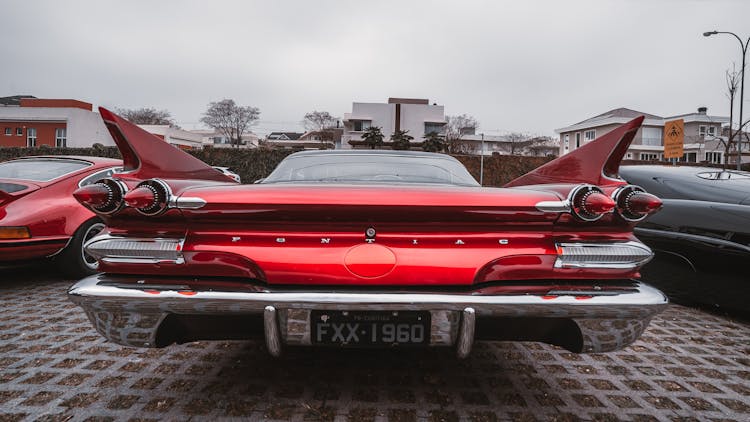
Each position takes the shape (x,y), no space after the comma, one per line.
(112,169)
(691,237)
(120,260)
(553,206)
(100,292)
(559,263)
(187,203)
(271,328)
(466,333)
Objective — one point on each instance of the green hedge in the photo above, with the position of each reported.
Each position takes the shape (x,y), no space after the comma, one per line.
(253,164)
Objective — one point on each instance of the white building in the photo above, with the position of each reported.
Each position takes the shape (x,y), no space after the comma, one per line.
(702,135)
(26,121)
(175,136)
(212,138)
(417,116)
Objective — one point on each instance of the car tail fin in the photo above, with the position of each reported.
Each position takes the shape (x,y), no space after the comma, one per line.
(596,163)
(146,156)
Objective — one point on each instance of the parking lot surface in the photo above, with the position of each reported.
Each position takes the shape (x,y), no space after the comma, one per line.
(689,365)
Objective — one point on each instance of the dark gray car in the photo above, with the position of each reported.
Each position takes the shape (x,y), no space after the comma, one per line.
(702,235)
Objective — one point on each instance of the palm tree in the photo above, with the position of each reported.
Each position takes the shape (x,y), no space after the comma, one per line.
(373,137)
(401,139)
(433,142)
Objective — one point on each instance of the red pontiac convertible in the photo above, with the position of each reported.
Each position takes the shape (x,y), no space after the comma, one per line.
(39,218)
(368,249)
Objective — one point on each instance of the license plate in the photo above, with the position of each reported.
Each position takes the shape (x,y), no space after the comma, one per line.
(370,328)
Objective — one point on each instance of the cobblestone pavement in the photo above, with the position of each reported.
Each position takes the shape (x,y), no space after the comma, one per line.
(689,365)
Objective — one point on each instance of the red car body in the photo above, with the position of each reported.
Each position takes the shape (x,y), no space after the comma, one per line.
(550,257)
(44,212)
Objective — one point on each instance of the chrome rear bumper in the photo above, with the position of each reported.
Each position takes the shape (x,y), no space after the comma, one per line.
(132,311)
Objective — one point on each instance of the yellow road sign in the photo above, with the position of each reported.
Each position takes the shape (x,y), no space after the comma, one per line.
(674,138)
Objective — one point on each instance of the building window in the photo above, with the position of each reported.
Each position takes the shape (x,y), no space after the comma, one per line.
(567,141)
(19,131)
(8,131)
(589,135)
(31,137)
(433,127)
(713,157)
(578,139)
(645,156)
(712,130)
(630,155)
(361,125)
(689,157)
(61,140)
(701,130)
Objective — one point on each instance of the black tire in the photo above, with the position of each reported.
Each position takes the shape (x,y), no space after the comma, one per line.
(73,261)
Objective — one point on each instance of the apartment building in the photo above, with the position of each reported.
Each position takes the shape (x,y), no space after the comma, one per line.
(415,115)
(703,134)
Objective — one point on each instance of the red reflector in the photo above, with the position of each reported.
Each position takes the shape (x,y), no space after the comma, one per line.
(152,292)
(142,197)
(187,293)
(549,297)
(93,195)
(643,203)
(598,203)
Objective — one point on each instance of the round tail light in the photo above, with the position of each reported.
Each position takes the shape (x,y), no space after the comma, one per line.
(105,196)
(634,203)
(589,203)
(150,197)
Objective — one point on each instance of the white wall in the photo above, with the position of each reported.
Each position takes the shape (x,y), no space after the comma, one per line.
(413,118)
(85,128)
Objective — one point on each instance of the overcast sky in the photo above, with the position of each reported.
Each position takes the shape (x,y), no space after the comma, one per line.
(530,66)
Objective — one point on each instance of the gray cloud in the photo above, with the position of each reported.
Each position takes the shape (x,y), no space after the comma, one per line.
(527,66)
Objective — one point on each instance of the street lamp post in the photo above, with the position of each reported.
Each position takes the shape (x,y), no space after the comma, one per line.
(481,164)
(743,46)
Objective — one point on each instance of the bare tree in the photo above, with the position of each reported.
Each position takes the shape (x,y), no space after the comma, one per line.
(230,119)
(322,122)
(147,116)
(733,83)
(455,127)
(516,141)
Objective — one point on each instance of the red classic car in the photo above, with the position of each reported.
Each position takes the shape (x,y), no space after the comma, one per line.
(368,248)
(39,218)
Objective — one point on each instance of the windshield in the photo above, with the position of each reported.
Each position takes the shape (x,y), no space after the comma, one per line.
(371,168)
(39,170)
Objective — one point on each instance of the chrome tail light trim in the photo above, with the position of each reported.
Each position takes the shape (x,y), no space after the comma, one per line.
(117,191)
(162,197)
(129,250)
(612,255)
(553,206)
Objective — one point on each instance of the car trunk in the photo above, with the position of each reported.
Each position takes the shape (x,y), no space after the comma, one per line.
(368,234)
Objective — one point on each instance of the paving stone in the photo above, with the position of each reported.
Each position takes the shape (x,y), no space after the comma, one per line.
(689,365)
